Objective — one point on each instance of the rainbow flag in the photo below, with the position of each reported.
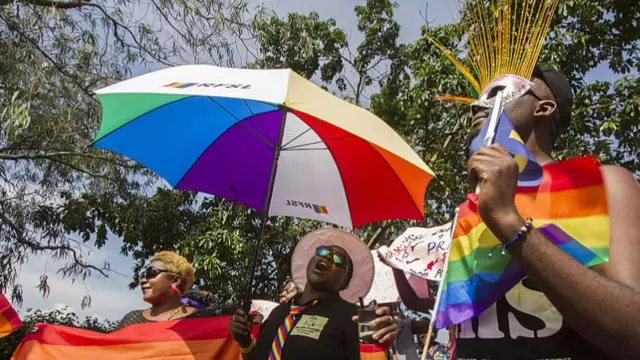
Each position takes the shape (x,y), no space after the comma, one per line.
(373,352)
(201,338)
(569,207)
(180,85)
(505,135)
(9,319)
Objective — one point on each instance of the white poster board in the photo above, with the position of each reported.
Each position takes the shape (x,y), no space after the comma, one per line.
(264,307)
(420,251)
(383,289)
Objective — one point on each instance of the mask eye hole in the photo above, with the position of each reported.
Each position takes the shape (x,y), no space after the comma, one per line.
(494,91)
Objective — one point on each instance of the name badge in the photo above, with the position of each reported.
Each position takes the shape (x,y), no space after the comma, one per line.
(310,326)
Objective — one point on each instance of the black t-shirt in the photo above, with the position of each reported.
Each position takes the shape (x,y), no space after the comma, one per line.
(323,332)
(523,325)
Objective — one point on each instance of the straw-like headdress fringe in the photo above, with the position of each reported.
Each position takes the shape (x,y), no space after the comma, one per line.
(504,38)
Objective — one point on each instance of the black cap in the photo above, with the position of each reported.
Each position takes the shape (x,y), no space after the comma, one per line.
(561,89)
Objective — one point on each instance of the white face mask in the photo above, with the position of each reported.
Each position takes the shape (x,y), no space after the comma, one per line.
(512,86)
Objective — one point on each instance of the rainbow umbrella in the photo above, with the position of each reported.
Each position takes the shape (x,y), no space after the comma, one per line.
(268,139)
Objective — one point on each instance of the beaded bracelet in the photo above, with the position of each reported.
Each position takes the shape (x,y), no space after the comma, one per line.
(528,225)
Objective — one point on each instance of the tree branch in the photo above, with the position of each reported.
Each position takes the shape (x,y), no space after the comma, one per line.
(117,24)
(446,143)
(50,156)
(35,247)
(58,4)
(60,69)
(376,236)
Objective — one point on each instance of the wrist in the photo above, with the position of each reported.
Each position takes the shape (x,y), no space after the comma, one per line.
(246,343)
(246,347)
(504,226)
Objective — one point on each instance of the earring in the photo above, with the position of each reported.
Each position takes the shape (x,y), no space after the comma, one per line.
(174,289)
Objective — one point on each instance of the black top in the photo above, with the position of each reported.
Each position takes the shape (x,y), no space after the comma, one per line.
(522,325)
(136,317)
(323,332)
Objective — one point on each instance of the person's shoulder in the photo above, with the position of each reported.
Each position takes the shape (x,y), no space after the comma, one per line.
(617,174)
(348,307)
(131,318)
(206,312)
(623,189)
(277,312)
(133,314)
(623,197)
(283,307)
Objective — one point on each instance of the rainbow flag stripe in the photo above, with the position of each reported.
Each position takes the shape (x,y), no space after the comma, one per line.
(201,338)
(179,85)
(373,352)
(9,319)
(569,207)
(320,209)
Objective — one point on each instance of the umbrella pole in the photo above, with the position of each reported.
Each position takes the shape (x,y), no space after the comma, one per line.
(246,304)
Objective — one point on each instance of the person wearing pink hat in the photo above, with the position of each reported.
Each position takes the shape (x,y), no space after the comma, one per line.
(335,269)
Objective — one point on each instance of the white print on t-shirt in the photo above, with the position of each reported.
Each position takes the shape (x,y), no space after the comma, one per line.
(528,303)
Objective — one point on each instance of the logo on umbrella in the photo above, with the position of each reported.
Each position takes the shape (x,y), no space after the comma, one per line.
(180,85)
(319,209)
(183,85)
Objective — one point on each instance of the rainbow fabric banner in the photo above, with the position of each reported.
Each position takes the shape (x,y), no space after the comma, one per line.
(569,208)
(201,338)
(9,319)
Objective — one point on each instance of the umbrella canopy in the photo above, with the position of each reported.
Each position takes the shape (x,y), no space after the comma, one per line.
(268,139)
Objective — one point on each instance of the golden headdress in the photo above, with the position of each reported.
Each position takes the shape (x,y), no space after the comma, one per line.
(504,39)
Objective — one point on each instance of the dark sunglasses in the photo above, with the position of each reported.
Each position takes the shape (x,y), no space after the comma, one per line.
(335,257)
(151,273)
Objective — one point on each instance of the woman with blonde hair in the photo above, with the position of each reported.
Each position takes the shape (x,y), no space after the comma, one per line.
(163,283)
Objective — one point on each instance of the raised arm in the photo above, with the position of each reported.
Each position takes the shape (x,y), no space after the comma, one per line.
(601,306)
(409,296)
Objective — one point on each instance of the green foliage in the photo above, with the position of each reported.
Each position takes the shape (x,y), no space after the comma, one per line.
(57,192)
(56,317)
(217,237)
(588,34)
(304,43)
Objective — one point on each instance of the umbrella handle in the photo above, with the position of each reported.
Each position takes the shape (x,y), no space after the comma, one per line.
(246,303)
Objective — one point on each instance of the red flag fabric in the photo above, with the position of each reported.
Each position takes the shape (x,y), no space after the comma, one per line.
(198,339)
(9,319)
(373,352)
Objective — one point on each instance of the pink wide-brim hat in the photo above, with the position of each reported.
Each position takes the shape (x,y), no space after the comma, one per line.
(363,266)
